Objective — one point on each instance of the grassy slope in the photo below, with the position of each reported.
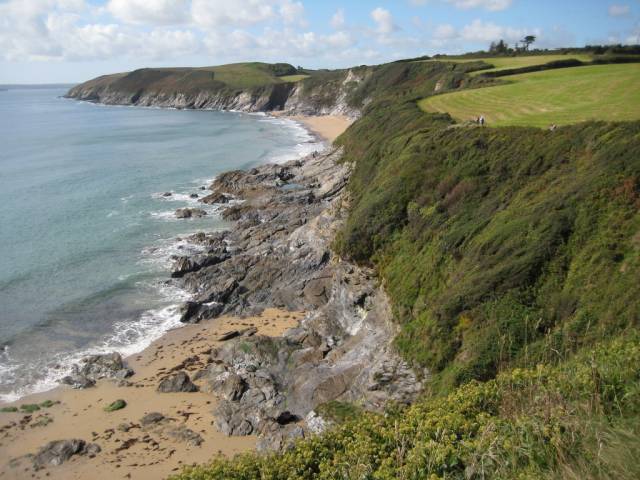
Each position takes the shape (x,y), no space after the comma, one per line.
(511,257)
(563,96)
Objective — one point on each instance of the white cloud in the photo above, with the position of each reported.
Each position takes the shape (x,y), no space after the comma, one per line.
(619,10)
(444,32)
(216,13)
(479,31)
(292,12)
(384,21)
(154,12)
(338,21)
(491,5)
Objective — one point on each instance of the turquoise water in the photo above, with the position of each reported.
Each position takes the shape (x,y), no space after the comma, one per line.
(85,233)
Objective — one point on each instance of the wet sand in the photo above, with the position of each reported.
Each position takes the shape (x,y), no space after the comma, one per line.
(141,452)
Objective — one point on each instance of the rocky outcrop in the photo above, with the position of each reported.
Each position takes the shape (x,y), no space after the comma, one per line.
(277,254)
(96,367)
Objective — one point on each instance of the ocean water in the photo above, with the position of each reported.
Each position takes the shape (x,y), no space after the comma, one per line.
(85,233)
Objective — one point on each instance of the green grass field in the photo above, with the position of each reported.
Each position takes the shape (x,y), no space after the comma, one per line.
(293,78)
(243,75)
(563,96)
(507,63)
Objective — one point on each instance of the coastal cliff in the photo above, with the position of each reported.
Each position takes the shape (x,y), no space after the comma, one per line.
(252,89)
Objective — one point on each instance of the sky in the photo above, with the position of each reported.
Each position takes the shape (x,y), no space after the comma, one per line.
(56,41)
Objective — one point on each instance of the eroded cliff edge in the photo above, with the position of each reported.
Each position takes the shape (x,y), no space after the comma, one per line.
(277,254)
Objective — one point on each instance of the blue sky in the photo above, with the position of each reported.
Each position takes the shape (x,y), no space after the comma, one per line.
(73,40)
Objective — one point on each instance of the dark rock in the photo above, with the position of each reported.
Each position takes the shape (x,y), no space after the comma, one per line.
(193,195)
(59,451)
(193,312)
(228,335)
(230,420)
(95,367)
(78,381)
(166,194)
(151,418)
(219,292)
(216,197)
(186,435)
(229,386)
(190,213)
(179,382)
(188,312)
(183,265)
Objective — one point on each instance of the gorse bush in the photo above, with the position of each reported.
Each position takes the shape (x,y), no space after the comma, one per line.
(529,423)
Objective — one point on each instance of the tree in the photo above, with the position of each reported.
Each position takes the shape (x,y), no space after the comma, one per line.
(498,47)
(528,40)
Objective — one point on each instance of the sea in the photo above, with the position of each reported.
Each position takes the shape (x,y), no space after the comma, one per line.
(86,233)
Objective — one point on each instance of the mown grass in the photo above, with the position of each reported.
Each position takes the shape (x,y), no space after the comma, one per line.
(293,78)
(561,97)
(508,63)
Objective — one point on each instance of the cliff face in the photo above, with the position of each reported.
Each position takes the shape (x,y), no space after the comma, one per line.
(189,88)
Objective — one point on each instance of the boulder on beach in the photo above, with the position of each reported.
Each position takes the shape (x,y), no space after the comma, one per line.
(95,367)
(78,381)
(179,382)
(190,213)
(59,451)
(151,419)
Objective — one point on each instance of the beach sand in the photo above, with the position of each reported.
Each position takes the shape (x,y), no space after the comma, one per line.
(328,127)
(142,452)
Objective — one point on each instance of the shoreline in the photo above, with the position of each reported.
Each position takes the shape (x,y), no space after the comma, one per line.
(80,412)
(294,123)
(326,127)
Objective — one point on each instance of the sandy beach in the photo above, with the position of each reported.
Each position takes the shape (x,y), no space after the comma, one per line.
(128,448)
(328,127)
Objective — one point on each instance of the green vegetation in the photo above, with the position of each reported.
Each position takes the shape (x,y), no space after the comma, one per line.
(508,63)
(542,422)
(117,405)
(563,96)
(339,412)
(293,78)
(9,409)
(495,245)
(29,407)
